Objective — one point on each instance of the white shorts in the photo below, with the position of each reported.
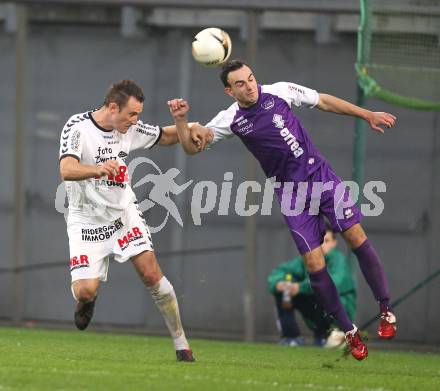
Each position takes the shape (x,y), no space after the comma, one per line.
(91,244)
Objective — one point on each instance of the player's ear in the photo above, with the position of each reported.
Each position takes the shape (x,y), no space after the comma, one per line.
(113,107)
(228,90)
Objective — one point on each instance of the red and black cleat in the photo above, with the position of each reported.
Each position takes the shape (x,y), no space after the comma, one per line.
(84,314)
(387,327)
(185,355)
(356,346)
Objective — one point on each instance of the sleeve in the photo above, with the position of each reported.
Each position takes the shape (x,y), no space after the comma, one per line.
(221,126)
(144,136)
(71,143)
(295,94)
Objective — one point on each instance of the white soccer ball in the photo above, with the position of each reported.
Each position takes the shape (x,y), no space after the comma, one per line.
(211,47)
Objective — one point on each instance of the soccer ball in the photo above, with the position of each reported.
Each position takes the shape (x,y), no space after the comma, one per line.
(211,47)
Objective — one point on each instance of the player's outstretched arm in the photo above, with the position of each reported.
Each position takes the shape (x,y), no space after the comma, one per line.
(72,170)
(198,135)
(193,139)
(169,135)
(377,120)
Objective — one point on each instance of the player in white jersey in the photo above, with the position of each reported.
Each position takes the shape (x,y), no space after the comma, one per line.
(103,216)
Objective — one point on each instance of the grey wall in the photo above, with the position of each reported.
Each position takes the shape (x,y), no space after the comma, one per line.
(68,70)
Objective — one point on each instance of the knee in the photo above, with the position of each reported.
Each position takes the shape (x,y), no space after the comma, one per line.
(315,264)
(147,268)
(151,277)
(84,294)
(355,236)
(314,260)
(314,267)
(356,240)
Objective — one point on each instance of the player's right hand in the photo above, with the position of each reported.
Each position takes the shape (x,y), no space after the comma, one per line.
(110,167)
(178,108)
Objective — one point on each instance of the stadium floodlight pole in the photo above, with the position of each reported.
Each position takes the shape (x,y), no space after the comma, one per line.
(251,35)
(19,195)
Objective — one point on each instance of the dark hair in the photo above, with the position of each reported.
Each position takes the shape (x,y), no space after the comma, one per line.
(230,66)
(121,91)
(328,228)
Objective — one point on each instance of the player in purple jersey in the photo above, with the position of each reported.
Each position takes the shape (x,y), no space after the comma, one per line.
(262,118)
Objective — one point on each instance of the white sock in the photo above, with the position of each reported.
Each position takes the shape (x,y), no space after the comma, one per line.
(165,298)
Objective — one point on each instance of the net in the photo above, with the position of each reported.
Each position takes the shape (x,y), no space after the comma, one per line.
(399,52)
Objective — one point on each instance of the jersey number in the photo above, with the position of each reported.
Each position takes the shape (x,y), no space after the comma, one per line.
(120,178)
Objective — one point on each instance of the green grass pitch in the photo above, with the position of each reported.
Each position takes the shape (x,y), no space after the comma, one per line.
(61,360)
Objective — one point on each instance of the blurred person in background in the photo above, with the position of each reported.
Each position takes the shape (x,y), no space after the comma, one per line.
(289,283)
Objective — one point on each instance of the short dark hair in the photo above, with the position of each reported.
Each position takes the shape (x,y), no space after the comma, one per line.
(230,66)
(121,91)
(329,228)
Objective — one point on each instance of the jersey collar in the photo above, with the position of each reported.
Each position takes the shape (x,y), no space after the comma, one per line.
(96,124)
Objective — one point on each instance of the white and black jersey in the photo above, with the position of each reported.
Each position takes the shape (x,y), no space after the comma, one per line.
(101,199)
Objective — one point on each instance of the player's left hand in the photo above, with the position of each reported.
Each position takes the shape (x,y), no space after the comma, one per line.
(377,120)
(200,135)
